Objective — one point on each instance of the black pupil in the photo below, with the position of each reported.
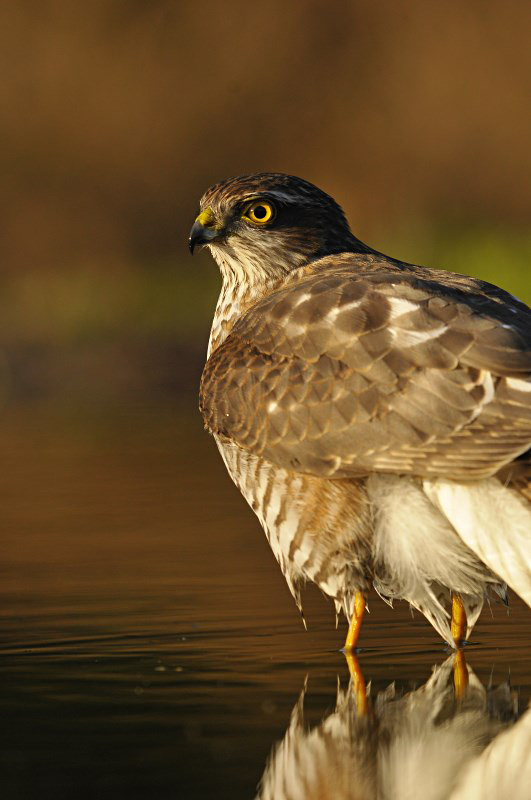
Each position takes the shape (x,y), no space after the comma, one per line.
(260,212)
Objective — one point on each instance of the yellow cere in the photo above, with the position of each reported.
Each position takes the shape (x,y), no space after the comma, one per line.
(207,219)
(259,212)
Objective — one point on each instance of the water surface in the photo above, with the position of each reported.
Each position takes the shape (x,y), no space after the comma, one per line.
(149,646)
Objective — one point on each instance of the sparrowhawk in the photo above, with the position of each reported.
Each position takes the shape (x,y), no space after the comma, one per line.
(375,415)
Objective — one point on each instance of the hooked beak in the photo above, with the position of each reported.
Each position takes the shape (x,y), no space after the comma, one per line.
(204,230)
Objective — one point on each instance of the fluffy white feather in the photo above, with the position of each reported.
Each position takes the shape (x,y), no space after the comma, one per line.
(418,554)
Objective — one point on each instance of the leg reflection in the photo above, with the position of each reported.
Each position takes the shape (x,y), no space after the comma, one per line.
(458,628)
(416,743)
(460,675)
(358,683)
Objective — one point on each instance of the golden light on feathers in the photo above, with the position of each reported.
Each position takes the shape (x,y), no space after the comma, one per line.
(376,415)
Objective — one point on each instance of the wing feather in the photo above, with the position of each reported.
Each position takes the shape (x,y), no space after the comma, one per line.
(343,373)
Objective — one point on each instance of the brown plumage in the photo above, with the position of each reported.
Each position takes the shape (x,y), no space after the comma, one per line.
(344,387)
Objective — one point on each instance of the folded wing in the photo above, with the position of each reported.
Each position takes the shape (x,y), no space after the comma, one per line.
(343,373)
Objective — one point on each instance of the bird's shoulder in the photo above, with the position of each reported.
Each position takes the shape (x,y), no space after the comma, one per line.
(338,299)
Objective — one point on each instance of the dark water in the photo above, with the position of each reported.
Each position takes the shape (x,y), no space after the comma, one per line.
(149,646)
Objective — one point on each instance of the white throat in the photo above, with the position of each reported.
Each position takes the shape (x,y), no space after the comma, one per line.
(243,284)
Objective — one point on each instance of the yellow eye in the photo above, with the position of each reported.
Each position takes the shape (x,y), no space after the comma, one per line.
(260,212)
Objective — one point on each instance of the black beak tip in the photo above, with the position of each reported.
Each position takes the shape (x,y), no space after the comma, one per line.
(198,235)
(201,234)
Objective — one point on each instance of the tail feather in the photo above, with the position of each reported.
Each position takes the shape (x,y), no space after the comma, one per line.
(494,521)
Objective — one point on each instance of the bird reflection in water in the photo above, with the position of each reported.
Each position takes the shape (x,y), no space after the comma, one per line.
(451,738)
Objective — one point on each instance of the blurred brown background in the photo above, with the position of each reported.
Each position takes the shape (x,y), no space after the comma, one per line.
(117,114)
(125,547)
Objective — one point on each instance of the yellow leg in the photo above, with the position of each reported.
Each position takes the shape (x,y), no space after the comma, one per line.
(458,626)
(358,683)
(460,675)
(355,622)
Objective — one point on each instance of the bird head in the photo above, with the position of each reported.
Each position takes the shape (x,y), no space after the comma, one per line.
(265,225)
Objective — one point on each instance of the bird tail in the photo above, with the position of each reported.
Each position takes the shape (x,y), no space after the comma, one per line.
(494,521)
